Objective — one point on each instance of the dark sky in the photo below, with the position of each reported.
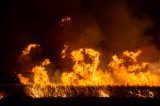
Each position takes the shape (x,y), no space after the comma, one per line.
(25,21)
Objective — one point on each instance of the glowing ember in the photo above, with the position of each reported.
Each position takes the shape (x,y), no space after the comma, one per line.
(63,53)
(142,94)
(65,20)
(103,94)
(2,95)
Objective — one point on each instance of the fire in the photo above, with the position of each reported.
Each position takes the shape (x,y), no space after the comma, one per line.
(63,53)
(40,74)
(123,70)
(26,54)
(142,94)
(65,20)
(103,94)
(131,72)
(84,74)
(40,77)
(27,50)
(23,79)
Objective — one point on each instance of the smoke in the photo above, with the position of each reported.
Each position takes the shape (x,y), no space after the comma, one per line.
(124,30)
(86,31)
(110,26)
(113,27)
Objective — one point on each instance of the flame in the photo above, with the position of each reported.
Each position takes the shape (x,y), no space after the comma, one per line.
(131,72)
(27,50)
(40,74)
(142,94)
(103,94)
(84,74)
(23,79)
(123,70)
(40,77)
(63,53)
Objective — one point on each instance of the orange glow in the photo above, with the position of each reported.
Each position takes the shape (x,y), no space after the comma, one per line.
(65,20)
(84,74)
(27,50)
(103,94)
(23,79)
(63,53)
(130,72)
(40,74)
(2,95)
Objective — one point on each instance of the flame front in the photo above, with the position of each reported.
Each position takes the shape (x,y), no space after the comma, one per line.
(128,71)
(85,74)
(122,70)
(40,77)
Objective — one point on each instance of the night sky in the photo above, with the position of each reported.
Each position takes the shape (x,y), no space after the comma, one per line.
(36,21)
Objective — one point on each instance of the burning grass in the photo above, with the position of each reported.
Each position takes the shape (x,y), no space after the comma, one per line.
(125,76)
(93,91)
(25,91)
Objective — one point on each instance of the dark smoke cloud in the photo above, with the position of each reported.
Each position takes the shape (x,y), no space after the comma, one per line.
(125,31)
(118,30)
(115,27)
(111,27)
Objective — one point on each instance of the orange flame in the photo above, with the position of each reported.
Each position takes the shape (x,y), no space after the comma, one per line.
(27,50)
(40,74)
(23,79)
(40,77)
(63,53)
(125,70)
(84,74)
(103,94)
(132,73)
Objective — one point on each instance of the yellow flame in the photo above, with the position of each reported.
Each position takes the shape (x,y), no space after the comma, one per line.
(83,74)
(40,74)
(133,73)
(124,69)
(103,94)
(40,77)
(27,50)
